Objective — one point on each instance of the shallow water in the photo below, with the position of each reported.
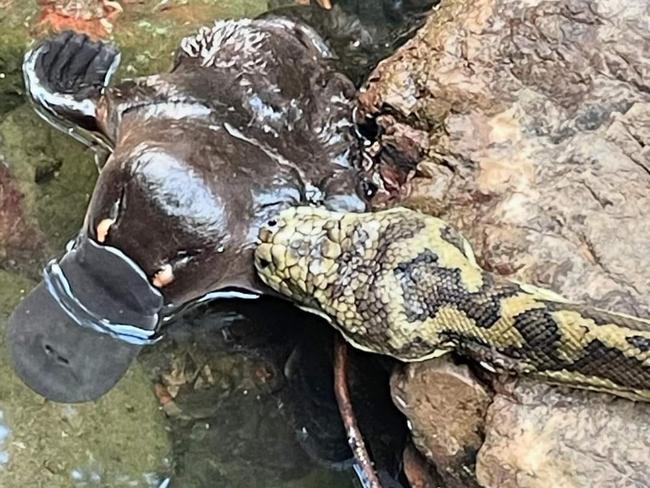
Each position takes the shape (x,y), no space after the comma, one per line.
(212,405)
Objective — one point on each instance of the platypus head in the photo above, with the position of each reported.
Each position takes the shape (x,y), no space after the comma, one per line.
(181,209)
(171,219)
(252,119)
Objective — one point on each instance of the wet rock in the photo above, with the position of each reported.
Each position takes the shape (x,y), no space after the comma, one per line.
(537,124)
(418,471)
(15,231)
(446,407)
(527,125)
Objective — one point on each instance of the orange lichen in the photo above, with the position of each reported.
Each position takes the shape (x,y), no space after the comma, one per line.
(92,17)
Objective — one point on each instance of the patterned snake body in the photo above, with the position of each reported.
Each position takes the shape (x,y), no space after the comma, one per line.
(405,284)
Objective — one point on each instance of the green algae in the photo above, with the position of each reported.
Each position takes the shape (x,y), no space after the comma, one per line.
(120,440)
(14,38)
(54,173)
(13,287)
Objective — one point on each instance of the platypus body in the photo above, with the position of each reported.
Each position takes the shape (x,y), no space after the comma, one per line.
(252,118)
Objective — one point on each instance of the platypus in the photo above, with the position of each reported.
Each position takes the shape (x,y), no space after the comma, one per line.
(251,119)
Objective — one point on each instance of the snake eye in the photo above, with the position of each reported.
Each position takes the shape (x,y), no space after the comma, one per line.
(272,223)
(264,263)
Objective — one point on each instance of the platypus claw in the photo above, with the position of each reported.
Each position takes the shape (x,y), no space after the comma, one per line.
(65,76)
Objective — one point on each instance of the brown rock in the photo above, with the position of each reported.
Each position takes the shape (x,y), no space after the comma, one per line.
(16,233)
(446,408)
(536,117)
(419,472)
(93,17)
(542,436)
(538,122)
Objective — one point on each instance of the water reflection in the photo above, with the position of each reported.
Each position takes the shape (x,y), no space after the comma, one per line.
(250,389)
(91,477)
(4,434)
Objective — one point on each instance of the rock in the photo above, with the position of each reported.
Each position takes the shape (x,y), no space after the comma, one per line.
(15,231)
(94,17)
(446,406)
(542,437)
(538,125)
(535,118)
(418,472)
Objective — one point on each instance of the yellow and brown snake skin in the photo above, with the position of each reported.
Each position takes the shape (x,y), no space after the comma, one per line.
(405,284)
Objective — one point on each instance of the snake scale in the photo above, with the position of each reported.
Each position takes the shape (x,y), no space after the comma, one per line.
(405,284)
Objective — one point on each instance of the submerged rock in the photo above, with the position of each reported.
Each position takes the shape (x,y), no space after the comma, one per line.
(527,125)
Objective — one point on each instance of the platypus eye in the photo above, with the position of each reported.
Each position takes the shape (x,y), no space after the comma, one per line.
(368,188)
(166,271)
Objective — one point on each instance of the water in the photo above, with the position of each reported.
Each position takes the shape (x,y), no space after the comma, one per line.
(236,396)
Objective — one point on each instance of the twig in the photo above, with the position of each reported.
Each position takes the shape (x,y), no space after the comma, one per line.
(355,440)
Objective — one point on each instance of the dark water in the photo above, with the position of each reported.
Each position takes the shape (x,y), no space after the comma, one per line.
(239,393)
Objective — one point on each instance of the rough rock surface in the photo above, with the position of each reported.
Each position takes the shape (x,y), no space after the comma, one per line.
(541,437)
(537,118)
(446,406)
(418,471)
(529,123)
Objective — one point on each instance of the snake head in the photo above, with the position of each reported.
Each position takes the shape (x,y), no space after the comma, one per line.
(297,254)
(357,270)
(324,261)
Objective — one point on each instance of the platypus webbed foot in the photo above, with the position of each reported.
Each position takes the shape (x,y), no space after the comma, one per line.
(65,76)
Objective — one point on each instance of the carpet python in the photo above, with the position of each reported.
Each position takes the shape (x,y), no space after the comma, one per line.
(405,284)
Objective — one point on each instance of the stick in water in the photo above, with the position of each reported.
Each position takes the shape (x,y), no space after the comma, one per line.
(363,463)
